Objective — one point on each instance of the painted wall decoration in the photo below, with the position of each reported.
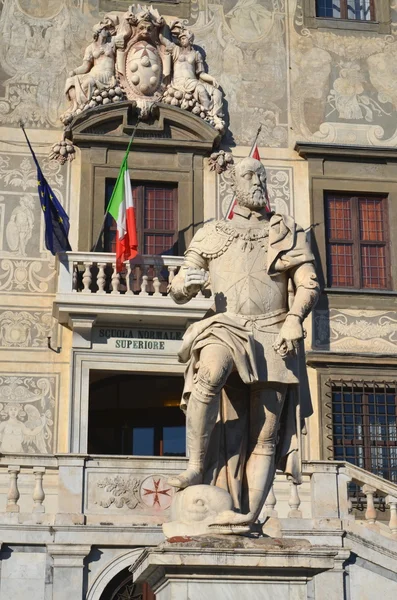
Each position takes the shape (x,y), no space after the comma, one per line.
(25,328)
(355,331)
(25,264)
(245,43)
(342,84)
(40,42)
(27,409)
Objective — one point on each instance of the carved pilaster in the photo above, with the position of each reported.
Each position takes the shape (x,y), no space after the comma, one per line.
(68,563)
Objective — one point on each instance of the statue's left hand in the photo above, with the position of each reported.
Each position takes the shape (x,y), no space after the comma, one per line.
(290,334)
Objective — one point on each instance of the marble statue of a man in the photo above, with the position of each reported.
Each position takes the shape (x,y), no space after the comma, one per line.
(244,361)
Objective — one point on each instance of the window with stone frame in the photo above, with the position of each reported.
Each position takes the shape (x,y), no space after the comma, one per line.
(357,240)
(135,414)
(156,209)
(358,10)
(364,424)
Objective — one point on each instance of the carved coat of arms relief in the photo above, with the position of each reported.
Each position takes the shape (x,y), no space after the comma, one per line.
(139,57)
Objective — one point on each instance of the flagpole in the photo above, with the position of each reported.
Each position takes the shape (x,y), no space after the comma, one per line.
(93,249)
(250,154)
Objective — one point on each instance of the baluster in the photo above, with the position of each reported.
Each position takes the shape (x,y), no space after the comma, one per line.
(87,277)
(38,493)
(145,281)
(294,501)
(156,280)
(75,278)
(392,502)
(128,279)
(270,503)
(101,278)
(115,280)
(171,273)
(13,492)
(370,513)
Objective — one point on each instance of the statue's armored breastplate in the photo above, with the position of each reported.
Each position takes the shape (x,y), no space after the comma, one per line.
(239,278)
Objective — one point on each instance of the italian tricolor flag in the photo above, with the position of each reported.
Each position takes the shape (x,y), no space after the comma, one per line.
(122,209)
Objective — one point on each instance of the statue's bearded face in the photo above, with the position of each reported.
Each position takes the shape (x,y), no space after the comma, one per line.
(250,183)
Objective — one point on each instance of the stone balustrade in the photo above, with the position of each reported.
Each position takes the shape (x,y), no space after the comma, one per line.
(133,491)
(88,283)
(95,273)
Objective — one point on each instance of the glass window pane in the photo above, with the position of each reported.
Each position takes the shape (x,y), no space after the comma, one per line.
(340,267)
(371,219)
(159,208)
(328,8)
(174,441)
(143,441)
(373,267)
(339,218)
(158,243)
(359,10)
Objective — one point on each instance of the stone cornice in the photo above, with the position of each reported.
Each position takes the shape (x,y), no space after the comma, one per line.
(313,150)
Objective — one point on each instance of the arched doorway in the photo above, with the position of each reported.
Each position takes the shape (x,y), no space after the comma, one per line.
(122,587)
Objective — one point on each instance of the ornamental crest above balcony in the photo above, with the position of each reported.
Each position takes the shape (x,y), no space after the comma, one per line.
(140,58)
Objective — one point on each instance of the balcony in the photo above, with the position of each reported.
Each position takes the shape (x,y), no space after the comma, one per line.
(124,500)
(88,285)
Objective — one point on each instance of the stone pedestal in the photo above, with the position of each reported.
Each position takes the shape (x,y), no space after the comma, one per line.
(233,567)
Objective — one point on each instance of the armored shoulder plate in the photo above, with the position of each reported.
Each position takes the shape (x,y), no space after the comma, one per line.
(212,240)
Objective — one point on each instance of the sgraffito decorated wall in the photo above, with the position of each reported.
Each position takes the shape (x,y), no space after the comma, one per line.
(301,82)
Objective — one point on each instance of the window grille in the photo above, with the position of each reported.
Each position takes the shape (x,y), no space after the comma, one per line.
(364,424)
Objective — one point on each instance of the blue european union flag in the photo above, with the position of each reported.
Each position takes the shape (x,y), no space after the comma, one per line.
(55,218)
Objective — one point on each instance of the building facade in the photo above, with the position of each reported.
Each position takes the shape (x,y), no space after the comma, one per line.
(89,376)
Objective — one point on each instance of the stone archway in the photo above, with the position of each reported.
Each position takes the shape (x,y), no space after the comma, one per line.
(112,572)
(122,587)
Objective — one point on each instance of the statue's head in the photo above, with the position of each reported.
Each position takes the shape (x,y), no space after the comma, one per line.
(108,26)
(250,183)
(145,19)
(13,410)
(27,201)
(186,38)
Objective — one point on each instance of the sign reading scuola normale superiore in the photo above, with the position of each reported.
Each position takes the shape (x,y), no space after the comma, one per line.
(137,339)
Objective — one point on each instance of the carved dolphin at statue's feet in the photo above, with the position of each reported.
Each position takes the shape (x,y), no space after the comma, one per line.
(202,510)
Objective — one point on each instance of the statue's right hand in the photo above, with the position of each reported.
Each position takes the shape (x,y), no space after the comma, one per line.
(195,279)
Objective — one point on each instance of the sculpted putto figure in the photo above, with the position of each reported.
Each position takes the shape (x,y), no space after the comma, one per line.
(98,67)
(244,363)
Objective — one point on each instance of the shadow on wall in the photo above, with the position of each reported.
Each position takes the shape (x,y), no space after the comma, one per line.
(321,329)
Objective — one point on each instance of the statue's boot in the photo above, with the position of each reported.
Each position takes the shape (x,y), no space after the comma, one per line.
(200,420)
(260,475)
